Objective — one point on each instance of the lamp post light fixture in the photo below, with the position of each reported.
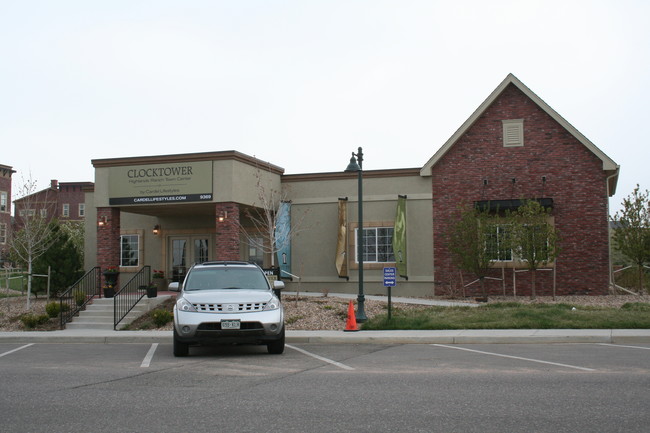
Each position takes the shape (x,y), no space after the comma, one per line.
(356,164)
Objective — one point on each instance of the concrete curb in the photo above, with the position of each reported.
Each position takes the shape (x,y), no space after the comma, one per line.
(508,336)
(512,336)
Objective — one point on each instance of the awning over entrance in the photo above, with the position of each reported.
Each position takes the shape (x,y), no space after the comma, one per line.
(513,204)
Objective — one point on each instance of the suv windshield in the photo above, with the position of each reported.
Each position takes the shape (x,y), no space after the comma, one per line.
(226,278)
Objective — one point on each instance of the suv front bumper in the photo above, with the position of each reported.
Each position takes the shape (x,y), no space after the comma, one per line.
(256,328)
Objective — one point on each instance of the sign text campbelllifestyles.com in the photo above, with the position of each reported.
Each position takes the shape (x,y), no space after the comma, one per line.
(160,199)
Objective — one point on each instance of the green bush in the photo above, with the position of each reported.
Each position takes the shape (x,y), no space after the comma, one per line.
(79,298)
(33,320)
(53,309)
(161,317)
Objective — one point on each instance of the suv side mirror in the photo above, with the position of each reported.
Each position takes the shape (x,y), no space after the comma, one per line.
(174,287)
(277,288)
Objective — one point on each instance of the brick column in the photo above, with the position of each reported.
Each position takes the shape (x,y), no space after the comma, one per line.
(227,244)
(108,238)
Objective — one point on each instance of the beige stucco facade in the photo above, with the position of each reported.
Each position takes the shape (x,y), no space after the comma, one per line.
(315,198)
(244,183)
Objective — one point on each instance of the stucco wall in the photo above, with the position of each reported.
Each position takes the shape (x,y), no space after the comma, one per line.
(315,205)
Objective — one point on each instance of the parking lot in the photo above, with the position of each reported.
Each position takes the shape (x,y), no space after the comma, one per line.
(326,387)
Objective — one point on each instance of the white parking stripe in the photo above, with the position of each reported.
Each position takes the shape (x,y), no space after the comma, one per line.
(622,345)
(329,361)
(515,357)
(147,359)
(16,350)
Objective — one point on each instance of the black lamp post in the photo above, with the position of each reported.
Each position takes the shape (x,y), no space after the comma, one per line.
(357,165)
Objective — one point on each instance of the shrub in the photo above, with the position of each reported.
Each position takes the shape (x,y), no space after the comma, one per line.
(161,317)
(33,320)
(53,309)
(79,298)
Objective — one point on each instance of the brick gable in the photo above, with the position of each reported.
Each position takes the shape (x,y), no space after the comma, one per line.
(575,180)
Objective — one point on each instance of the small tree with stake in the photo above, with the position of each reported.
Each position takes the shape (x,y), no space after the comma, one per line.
(632,237)
(532,238)
(36,234)
(468,243)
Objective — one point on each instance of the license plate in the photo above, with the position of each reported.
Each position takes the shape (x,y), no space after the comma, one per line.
(230,324)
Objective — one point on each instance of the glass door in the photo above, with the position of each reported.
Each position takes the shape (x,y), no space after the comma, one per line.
(185,251)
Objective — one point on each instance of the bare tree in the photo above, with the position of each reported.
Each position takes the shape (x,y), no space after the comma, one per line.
(34,234)
(264,218)
(632,236)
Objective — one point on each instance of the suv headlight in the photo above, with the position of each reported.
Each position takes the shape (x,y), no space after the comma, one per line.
(184,305)
(273,304)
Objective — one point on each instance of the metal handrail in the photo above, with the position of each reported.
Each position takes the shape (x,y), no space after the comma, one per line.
(130,294)
(75,298)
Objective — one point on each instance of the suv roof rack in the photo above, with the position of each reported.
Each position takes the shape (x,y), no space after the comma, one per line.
(224,262)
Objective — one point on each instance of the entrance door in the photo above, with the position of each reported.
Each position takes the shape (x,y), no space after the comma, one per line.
(185,251)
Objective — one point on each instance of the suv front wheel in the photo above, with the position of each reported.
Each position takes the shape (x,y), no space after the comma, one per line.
(180,348)
(277,347)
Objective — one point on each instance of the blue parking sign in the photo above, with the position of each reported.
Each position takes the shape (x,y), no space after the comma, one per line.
(389,277)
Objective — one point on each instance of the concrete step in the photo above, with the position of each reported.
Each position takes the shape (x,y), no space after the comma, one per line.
(86,325)
(99,314)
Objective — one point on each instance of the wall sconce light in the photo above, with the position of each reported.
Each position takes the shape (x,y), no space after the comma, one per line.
(223,216)
(102,221)
(485,183)
(156,230)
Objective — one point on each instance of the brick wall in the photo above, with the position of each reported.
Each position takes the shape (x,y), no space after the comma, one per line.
(108,237)
(574,179)
(73,195)
(227,232)
(5,216)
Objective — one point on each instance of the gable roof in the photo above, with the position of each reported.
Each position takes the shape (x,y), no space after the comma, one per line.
(609,165)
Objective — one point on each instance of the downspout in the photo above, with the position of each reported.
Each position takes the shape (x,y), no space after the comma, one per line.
(609,233)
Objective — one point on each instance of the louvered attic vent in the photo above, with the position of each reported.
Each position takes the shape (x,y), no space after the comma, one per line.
(513,132)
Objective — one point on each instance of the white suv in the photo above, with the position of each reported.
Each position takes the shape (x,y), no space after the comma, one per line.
(227,302)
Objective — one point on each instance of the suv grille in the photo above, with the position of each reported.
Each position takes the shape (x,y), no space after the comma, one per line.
(230,308)
(245,326)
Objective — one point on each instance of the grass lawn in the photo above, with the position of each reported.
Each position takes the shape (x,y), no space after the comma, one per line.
(516,316)
(12,280)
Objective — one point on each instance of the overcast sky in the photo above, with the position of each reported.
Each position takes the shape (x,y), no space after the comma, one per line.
(303,83)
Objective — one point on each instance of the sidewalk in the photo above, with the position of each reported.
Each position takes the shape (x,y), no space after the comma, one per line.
(481,336)
(475,336)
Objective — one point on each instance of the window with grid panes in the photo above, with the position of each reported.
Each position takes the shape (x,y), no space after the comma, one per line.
(378,245)
(496,244)
(129,250)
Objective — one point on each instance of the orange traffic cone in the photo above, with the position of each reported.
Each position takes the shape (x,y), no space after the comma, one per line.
(351,324)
